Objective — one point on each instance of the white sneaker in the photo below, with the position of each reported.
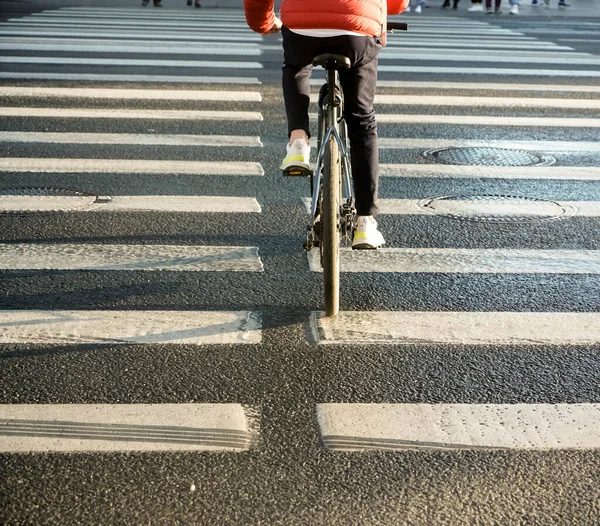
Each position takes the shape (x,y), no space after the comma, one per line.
(418,9)
(514,9)
(298,154)
(366,235)
(475,7)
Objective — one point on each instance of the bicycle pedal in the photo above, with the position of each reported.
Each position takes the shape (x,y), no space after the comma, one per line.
(297,171)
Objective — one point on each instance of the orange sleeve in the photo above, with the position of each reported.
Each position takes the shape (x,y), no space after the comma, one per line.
(395,7)
(260,15)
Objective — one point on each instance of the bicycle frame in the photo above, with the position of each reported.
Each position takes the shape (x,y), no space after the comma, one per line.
(332,79)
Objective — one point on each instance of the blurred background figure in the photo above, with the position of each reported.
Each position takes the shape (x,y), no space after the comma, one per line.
(156,3)
(446,4)
(418,6)
(496,10)
(514,7)
(195,2)
(476,6)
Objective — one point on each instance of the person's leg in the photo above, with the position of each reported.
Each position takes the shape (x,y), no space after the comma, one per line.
(297,66)
(358,84)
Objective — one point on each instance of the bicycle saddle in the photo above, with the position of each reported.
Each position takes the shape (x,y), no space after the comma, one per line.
(331,61)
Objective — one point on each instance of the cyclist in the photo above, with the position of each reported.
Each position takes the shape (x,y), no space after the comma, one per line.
(356,29)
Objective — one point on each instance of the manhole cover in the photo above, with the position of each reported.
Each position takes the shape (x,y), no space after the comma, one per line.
(484,156)
(46,199)
(496,208)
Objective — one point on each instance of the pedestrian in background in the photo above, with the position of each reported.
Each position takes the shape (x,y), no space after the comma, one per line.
(196,3)
(156,3)
(476,6)
(514,7)
(418,7)
(446,4)
(496,10)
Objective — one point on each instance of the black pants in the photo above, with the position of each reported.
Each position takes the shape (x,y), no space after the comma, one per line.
(358,84)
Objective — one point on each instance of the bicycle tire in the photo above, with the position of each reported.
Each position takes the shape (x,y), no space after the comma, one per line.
(330,219)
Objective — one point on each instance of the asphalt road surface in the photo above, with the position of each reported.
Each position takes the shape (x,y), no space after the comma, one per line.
(163,356)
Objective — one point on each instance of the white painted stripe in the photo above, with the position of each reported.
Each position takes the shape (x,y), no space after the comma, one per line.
(117,21)
(454,47)
(491,56)
(89,61)
(397,427)
(545,146)
(488,120)
(68,256)
(457,44)
(108,113)
(538,146)
(138,139)
(492,86)
(130,203)
(127,47)
(485,102)
(101,77)
(481,102)
(181,35)
(130,94)
(525,72)
(466,261)
(126,166)
(461,328)
(42,428)
(485,208)
(129,326)
(569,173)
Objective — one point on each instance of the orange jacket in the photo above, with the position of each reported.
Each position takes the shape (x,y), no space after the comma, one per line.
(361,16)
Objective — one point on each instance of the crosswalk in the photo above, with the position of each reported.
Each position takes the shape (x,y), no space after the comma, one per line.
(102,59)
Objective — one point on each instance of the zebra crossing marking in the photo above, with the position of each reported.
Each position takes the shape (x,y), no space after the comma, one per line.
(538,146)
(130,203)
(42,428)
(127,166)
(116,62)
(488,120)
(491,56)
(120,77)
(466,261)
(127,47)
(104,257)
(193,36)
(477,208)
(460,328)
(142,139)
(525,72)
(129,94)
(116,327)
(491,86)
(398,427)
(447,171)
(485,102)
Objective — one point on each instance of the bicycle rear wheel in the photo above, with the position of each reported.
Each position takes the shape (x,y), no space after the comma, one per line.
(330,219)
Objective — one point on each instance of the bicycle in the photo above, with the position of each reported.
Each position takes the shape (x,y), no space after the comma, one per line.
(332,200)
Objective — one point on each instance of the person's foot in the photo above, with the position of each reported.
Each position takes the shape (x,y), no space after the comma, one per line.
(145,2)
(455,5)
(297,155)
(446,4)
(489,11)
(514,9)
(535,3)
(157,4)
(197,4)
(189,2)
(418,9)
(476,8)
(366,235)
(563,4)
(498,11)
